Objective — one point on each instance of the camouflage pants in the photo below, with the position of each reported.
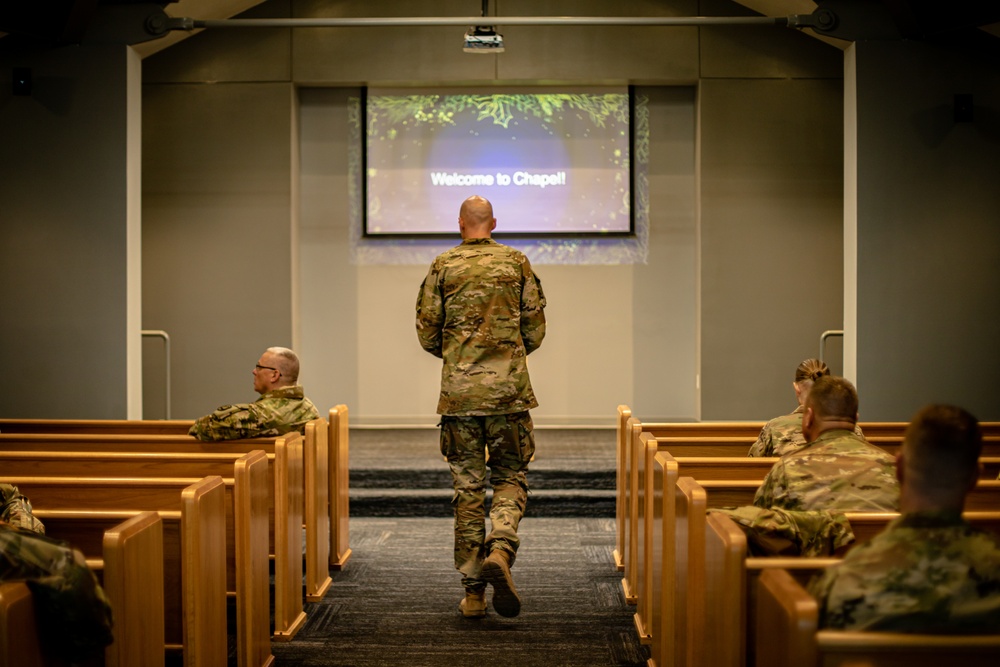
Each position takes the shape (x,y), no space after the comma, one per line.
(510,444)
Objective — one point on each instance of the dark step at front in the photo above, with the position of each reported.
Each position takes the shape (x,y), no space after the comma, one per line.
(437,503)
(539,480)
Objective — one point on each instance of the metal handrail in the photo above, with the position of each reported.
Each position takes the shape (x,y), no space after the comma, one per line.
(822,340)
(157,333)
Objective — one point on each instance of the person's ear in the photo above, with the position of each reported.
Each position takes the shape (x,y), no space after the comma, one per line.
(493,224)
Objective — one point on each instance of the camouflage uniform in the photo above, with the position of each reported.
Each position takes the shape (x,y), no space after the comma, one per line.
(783,435)
(16,510)
(838,471)
(927,572)
(481,310)
(778,532)
(276,412)
(73,613)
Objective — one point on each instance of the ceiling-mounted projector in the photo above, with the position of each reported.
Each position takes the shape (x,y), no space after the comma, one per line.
(483,39)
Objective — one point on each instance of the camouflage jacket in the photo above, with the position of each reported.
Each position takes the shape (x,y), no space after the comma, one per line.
(838,471)
(74,615)
(783,435)
(274,413)
(928,572)
(481,310)
(16,510)
(778,532)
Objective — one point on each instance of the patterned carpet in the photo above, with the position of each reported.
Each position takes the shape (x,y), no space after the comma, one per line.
(396,602)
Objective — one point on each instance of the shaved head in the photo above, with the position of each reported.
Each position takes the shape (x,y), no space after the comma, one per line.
(475,218)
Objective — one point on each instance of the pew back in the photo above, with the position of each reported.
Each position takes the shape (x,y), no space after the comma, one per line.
(97,426)
(787,610)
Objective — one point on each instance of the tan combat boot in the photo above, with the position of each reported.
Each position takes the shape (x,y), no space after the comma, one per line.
(496,572)
(473,605)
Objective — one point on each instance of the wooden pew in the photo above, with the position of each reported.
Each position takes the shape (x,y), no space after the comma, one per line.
(339,486)
(194,565)
(19,641)
(699,564)
(733,439)
(133,582)
(325,482)
(786,610)
(621,483)
(663,557)
(731,576)
(132,553)
(738,447)
(97,426)
(749,430)
(247,503)
(734,493)
(158,456)
(630,530)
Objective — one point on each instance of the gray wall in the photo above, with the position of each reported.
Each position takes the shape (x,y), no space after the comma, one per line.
(629,333)
(927,229)
(217,234)
(69,235)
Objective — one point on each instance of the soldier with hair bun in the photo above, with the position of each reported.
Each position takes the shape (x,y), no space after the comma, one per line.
(783,435)
(929,571)
(15,510)
(481,311)
(837,470)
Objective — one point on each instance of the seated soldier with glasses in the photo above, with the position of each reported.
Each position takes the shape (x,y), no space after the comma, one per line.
(282,406)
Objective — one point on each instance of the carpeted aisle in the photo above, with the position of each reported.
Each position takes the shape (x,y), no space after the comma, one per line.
(396,602)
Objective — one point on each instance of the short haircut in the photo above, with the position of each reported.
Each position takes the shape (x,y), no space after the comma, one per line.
(288,362)
(942,447)
(833,397)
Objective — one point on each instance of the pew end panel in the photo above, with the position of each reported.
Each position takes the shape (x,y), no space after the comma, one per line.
(317,509)
(725,582)
(634,449)
(643,616)
(133,582)
(339,492)
(203,573)
(689,536)
(621,497)
(253,595)
(663,564)
(289,616)
(785,610)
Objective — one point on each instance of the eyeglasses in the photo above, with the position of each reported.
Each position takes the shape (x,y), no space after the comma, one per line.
(258,367)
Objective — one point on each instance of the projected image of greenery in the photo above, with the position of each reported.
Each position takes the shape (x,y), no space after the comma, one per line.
(551,162)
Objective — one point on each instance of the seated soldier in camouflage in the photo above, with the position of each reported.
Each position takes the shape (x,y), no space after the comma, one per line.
(16,510)
(929,571)
(73,614)
(837,470)
(282,406)
(783,435)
